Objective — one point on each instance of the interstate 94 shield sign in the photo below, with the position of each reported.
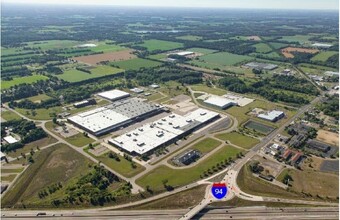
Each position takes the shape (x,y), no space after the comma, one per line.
(219,190)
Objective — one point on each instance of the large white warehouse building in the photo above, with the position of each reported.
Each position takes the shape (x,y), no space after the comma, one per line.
(114,116)
(162,132)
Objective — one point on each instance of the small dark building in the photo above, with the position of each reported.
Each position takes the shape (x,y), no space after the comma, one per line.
(85,103)
(317,145)
(189,157)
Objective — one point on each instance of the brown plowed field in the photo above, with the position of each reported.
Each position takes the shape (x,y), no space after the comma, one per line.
(112,56)
(287,51)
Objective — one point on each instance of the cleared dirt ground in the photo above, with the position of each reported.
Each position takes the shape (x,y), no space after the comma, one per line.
(328,137)
(287,52)
(112,56)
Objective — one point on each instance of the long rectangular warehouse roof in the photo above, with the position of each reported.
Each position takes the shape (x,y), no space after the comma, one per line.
(220,101)
(152,135)
(113,115)
(114,94)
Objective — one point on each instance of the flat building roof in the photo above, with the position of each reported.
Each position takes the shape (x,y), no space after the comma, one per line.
(114,94)
(219,101)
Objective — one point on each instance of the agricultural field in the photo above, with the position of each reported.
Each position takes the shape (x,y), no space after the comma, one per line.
(238,139)
(189,37)
(323,56)
(111,56)
(262,48)
(136,64)
(277,46)
(74,75)
(220,60)
(315,69)
(52,44)
(203,51)
(287,52)
(302,39)
(153,45)
(181,177)
(21,80)
(106,47)
(326,185)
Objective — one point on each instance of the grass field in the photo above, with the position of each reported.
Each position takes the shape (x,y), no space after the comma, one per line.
(8,178)
(153,45)
(206,145)
(41,113)
(102,46)
(21,80)
(201,50)
(296,38)
(136,64)
(278,45)
(39,98)
(74,75)
(52,44)
(7,170)
(123,166)
(8,115)
(323,56)
(215,60)
(184,176)
(159,56)
(154,96)
(79,140)
(52,165)
(262,48)
(211,90)
(33,145)
(326,184)
(238,139)
(185,199)
(189,37)
(256,186)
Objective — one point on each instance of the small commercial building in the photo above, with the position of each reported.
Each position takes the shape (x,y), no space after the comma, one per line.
(319,146)
(187,157)
(331,73)
(184,53)
(85,103)
(10,139)
(146,138)
(137,90)
(114,95)
(272,116)
(321,45)
(154,86)
(220,102)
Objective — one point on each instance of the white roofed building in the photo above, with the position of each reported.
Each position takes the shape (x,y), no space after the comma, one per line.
(148,137)
(220,102)
(272,116)
(10,139)
(114,95)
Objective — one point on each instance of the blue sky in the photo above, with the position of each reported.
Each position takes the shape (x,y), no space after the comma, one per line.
(277,4)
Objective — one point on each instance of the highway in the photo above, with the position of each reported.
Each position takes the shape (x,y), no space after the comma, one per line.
(210,213)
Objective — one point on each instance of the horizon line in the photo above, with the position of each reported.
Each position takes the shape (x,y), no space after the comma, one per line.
(163,6)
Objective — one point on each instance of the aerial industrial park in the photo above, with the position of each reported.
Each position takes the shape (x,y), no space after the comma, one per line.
(169,114)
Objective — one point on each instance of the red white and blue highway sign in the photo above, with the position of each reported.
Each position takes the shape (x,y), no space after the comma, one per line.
(219,190)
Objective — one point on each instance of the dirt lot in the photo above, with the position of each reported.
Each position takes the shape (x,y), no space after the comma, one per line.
(254,38)
(328,137)
(113,56)
(270,167)
(287,51)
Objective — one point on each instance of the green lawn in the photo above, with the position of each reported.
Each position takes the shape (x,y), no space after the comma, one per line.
(323,56)
(123,166)
(189,37)
(73,75)
(21,80)
(262,48)
(41,113)
(8,115)
(201,50)
(224,59)
(153,45)
(210,90)
(136,64)
(206,145)
(181,177)
(52,165)
(7,170)
(8,178)
(238,139)
(79,140)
